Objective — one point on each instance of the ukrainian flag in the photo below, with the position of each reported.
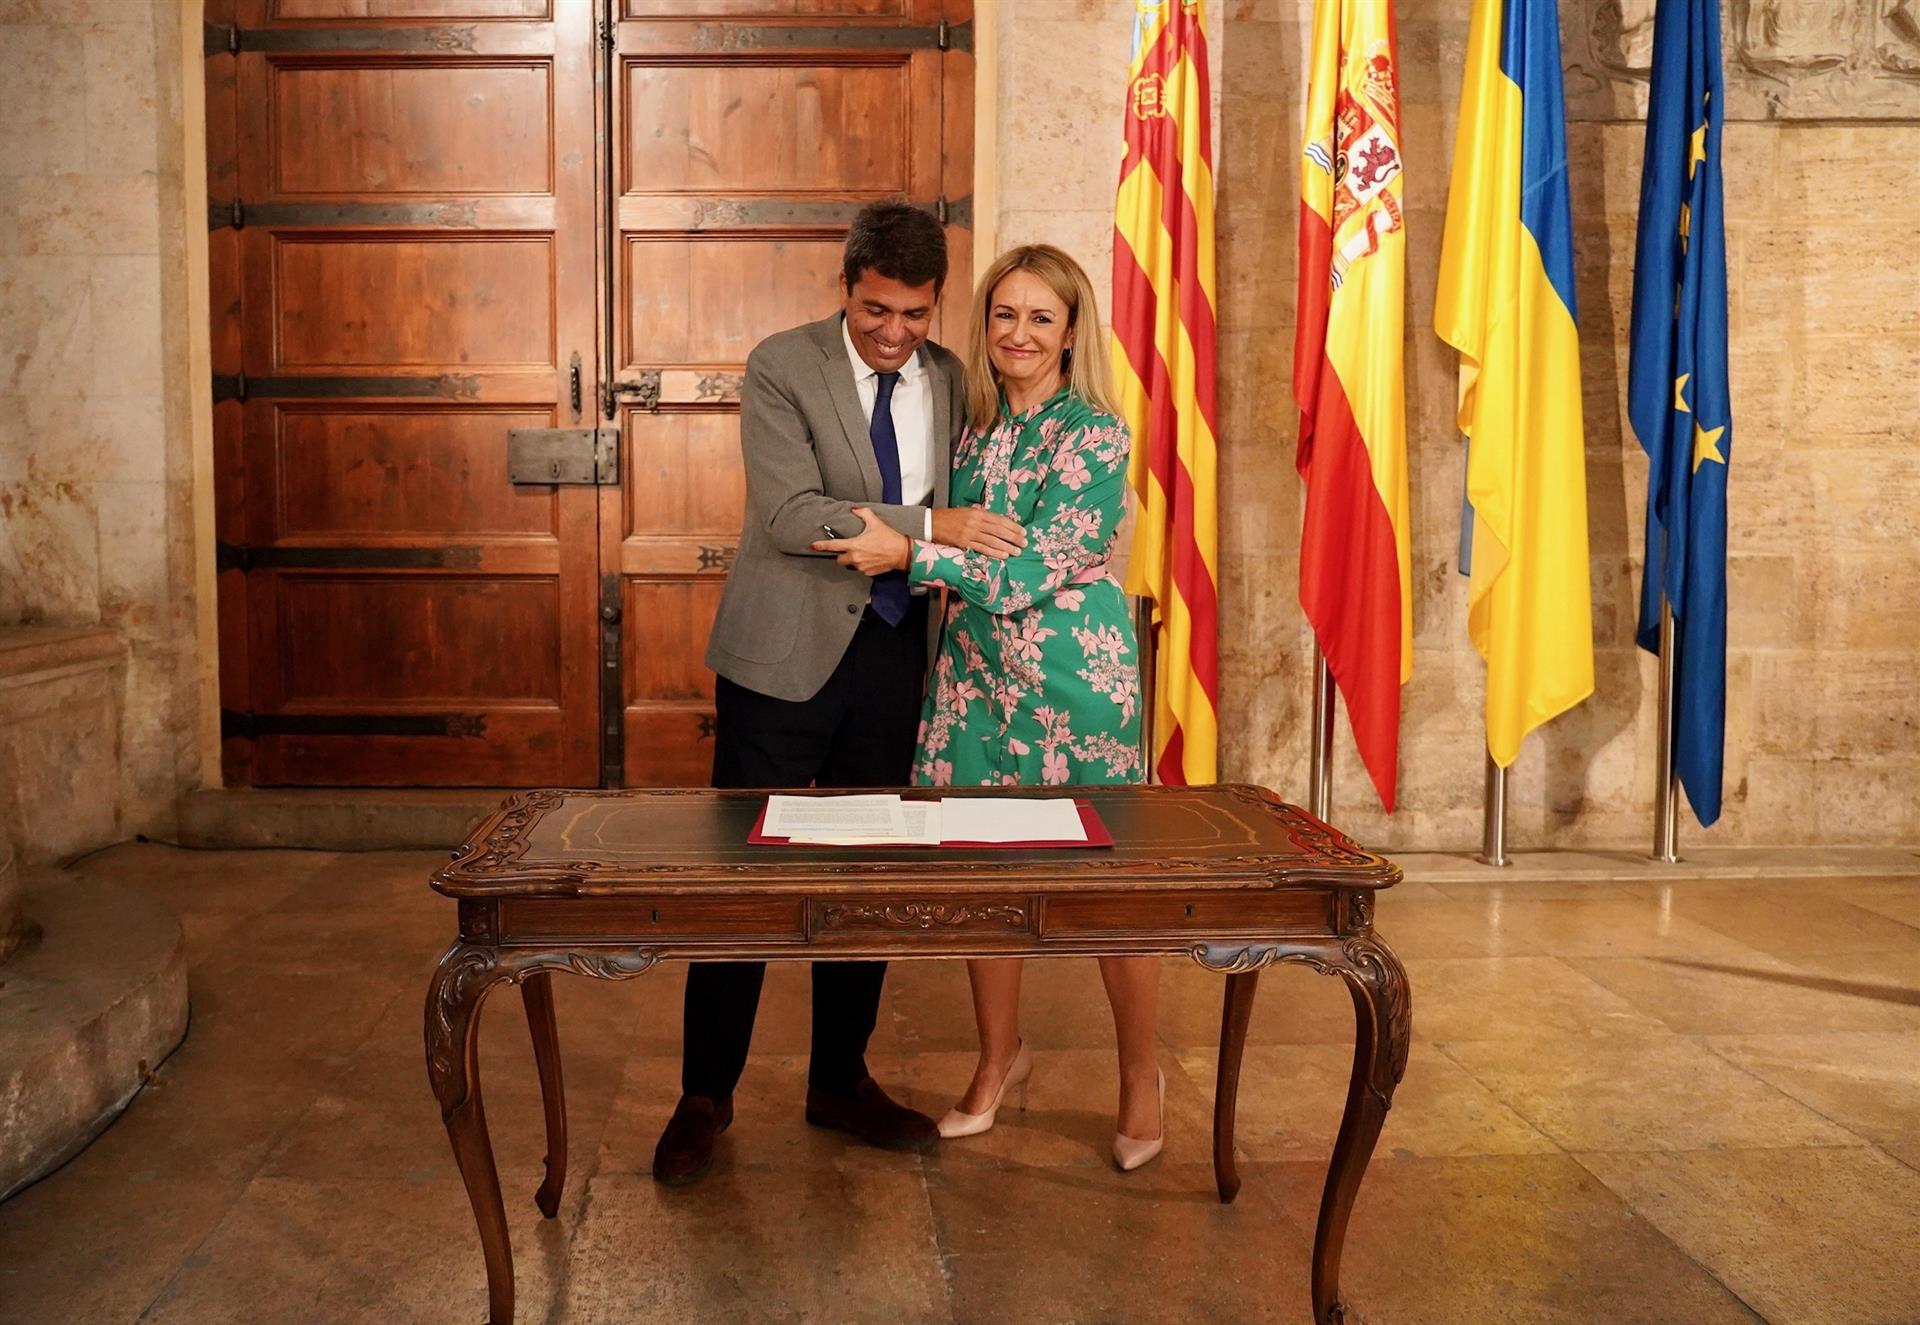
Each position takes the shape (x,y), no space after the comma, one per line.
(1506,304)
(1677,384)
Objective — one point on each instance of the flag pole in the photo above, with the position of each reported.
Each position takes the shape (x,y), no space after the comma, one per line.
(1147,644)
(1320,777)
(1493,833)
(1666,800)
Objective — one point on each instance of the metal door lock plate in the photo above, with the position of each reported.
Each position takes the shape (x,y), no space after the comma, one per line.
(587,456)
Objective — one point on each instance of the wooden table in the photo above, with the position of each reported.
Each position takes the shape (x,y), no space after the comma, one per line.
(607,883)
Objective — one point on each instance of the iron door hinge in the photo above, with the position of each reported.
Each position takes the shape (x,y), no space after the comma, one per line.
(613,755)
(643,391)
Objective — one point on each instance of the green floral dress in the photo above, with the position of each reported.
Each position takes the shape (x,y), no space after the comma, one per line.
(1037,682)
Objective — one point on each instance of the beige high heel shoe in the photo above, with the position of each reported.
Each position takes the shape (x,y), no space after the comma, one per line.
(1130,1152)
(957,1123)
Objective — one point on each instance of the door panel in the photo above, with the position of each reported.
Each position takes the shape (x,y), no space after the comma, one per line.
(466,301)
(404,143)
(412,9)
(403,473)
(710,301)
(417,246)
(765,125)
(748,133)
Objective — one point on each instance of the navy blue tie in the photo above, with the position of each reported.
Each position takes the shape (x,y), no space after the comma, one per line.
(890,588)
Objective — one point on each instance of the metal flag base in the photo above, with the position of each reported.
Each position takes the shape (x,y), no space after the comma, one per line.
(1666,794)
(1320,775)
(1493,835)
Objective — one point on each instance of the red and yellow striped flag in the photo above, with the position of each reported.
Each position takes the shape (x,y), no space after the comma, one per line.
(1163,336)
(1356,581)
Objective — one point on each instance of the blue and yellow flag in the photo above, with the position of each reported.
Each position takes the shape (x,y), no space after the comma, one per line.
(1677,384)
(1506,304)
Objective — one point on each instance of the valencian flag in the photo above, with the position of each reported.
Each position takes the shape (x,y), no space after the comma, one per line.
(1677,384)
(1163,336)
(1506,304)
(1355,566)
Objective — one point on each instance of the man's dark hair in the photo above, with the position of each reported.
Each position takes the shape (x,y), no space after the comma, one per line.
(898,241)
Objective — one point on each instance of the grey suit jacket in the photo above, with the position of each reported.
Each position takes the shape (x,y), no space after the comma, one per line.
(788,613)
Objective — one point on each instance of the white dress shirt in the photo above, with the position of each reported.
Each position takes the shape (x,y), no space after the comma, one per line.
(912,422)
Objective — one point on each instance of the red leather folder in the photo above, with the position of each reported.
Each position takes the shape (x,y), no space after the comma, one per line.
(1097,836)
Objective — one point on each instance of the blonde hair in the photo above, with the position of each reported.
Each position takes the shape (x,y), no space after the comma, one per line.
(1087,374)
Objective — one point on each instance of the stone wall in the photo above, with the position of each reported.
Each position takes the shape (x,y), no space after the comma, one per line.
(1823,238)
(95,456)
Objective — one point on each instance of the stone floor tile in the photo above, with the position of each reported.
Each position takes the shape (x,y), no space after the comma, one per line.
(1506,1239)
(304,1251)
(210,892)
(1513,998)
(1903,906)
(1805,1237)
(1292,1098)
(87,1246)
(820,1244)
(1867,1081)
(301,1012)
(1640,1092)
(1068,1115)
(374,1122)
(1034,1245)
(1906,1149)
(205,1116)
(1791,926)
(1757,997)
(1449,928)
(1497,890)
(1612,927)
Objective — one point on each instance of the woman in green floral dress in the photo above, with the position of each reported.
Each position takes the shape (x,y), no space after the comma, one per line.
(1037,679)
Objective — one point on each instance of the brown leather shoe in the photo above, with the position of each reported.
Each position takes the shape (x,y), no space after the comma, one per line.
(685,1151)
(871,1116)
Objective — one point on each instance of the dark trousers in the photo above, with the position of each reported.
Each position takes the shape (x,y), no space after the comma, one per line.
(858,731)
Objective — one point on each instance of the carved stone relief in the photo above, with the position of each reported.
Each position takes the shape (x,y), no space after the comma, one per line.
(1785,59)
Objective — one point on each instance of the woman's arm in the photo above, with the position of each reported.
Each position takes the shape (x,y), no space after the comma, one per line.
(1082,496)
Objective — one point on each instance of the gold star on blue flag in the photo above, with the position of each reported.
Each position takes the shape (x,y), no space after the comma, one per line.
(1677,384)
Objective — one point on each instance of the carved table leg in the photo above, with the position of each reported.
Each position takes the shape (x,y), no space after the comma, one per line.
(454,996)
(1382,1009)
(537,993)
(1235,1013)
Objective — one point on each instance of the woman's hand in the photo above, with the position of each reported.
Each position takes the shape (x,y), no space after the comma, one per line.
(875,549)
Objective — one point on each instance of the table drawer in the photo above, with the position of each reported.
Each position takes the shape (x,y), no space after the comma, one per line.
(637,919)
(1217,913)
(907,915)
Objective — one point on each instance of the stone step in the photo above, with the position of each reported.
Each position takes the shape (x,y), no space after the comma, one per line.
(334,818)
(86,1014)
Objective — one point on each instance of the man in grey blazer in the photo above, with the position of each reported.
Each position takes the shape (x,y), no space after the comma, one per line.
(821,669)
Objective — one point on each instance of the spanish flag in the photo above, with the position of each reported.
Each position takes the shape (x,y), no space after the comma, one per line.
(1163,337)
(1356,582)
(1506,304)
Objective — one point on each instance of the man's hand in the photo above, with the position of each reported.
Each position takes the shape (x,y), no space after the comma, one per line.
(874,549)
(969,527)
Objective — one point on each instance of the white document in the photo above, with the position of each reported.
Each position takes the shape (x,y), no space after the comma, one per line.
(836,815)
(1010,819)
(853,820)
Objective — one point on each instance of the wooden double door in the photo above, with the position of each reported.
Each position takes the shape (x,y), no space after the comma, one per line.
(485,274)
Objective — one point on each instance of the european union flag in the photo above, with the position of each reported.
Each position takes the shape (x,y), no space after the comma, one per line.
(1677,383)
